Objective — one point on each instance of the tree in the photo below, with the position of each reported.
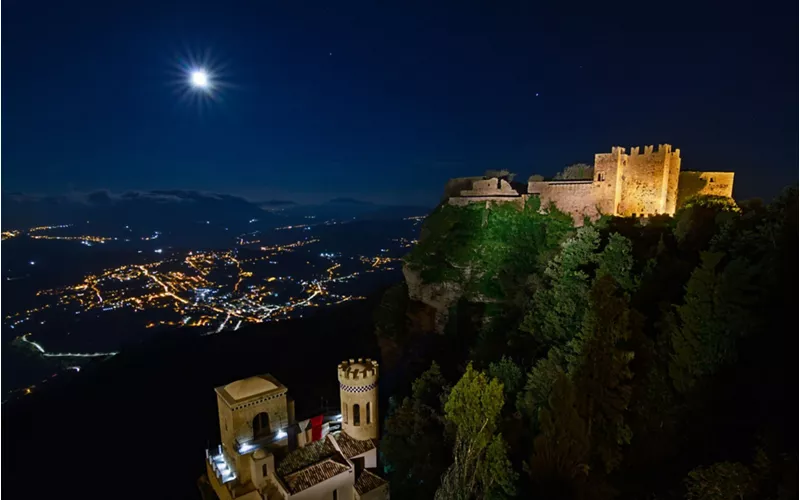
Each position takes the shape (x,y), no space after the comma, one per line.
(699,219)
(599,368)
(500,174)
(415,442)
(616,260)
(576,171)
(558,308)
(720,481)
(480,463)
(540,383)
(715,313)
(509,374)
(560,458)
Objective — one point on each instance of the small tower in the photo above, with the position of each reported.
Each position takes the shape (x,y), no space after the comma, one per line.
(358,392)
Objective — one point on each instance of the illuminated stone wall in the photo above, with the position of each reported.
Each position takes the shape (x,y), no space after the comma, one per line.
(490,187)
(643,183)
(358,385)
(704,183)
(645,180)
(577,198)
(236,422)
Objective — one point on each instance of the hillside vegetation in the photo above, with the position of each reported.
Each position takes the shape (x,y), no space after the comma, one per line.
(617,360)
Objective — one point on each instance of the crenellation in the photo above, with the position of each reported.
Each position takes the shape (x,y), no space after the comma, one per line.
(647,181)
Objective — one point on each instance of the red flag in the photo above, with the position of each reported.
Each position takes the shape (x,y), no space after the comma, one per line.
(316,428)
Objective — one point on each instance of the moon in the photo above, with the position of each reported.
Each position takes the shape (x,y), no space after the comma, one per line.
(199,79)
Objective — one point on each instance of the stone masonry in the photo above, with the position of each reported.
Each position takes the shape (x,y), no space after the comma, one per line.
(639,184)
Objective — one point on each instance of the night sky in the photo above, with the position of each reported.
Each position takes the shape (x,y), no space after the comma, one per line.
(384,101)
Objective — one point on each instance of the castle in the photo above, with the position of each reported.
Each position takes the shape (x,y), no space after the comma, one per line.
(639,184)
(266,454)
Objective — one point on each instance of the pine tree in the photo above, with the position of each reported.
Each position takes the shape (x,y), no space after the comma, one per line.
(599,368)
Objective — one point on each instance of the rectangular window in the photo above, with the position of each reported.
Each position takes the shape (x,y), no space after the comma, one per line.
(601,177)
(264,470)
(335,495)
(369,416)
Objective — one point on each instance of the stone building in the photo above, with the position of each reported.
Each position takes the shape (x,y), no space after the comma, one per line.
(639,184)
(266,454)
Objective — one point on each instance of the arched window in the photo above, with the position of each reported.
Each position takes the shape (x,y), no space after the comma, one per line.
(369,417)
(356,415)
(344,413)
(261,425)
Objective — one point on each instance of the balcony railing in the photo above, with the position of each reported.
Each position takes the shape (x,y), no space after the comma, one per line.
(219,464)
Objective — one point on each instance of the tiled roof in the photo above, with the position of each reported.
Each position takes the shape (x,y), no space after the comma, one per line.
(308,455)
(352,447)
(315,474)
(368,481)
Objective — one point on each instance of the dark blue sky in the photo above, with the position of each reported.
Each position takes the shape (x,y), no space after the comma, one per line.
(413,93)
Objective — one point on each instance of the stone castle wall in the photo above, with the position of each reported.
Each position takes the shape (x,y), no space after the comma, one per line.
(577,198)
(636,184)
(704,183)
(643,183)
(645,180)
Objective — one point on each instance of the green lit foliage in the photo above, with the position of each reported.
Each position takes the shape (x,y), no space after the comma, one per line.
(447,243)
(490,251)
(616,261)
(650,348)
(557,310)
(539,384)
(508,373)
(599,368)
(480,468)
(720,481)
(711,319)
(415,441)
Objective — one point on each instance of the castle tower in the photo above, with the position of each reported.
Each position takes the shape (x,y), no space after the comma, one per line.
(358,392)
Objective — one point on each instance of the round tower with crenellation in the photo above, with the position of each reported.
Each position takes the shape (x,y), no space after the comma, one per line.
(358,392)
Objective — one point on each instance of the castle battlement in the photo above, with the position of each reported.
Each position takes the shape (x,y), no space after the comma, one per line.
(362,371)
(646,182)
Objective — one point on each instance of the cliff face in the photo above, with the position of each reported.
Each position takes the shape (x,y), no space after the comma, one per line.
(440,296)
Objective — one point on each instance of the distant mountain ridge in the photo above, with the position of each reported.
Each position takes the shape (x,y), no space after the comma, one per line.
(21,210)
(175,207)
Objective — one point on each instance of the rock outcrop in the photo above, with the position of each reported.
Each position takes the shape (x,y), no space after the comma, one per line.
(439,296)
